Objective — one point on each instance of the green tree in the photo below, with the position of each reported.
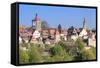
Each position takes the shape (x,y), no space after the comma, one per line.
(64,45)
(79,49)
(93,49)
(60,54)
(82,53)
(79,44)
(59,58)
(68,57)
(58,50)
(34,54)
(88,54)
(56,58)
(23,56)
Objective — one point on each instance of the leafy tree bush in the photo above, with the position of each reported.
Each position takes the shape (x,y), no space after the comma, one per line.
(47,59)
(88,54)
(65,46)
(56,58)
(23,56)
(79,49)
(80,45)
(70,50)
(68,57)
(82,53)
(60,54)
(34,54)
(61,43)
(58,50)
(93,49)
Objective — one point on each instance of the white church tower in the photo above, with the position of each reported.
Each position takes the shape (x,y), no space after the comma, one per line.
(83,33)
(37,23)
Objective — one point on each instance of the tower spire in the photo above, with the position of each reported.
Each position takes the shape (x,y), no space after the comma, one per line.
(36,22)
(36,17)
(84,23)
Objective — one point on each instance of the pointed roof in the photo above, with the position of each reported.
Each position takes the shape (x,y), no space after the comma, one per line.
(36,18)
(84,23)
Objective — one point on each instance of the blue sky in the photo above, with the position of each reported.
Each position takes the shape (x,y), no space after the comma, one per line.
(66,16)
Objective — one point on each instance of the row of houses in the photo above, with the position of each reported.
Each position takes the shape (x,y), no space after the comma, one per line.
(53,35)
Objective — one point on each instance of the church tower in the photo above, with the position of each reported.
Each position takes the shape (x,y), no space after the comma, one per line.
(37,23)
(84,33)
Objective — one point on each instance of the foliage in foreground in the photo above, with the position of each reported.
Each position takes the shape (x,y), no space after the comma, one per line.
(34,54)
(23,56)
(89,54)
(58,53)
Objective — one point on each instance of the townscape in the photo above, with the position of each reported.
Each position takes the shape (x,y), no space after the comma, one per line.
(42,36)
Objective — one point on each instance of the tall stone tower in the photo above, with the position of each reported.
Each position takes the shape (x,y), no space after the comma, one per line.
(37,23)
(84,24)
